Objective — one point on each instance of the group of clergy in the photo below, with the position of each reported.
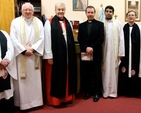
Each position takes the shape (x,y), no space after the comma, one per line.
(114,58)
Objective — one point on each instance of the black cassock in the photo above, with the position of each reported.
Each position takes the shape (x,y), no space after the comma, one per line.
(130,86)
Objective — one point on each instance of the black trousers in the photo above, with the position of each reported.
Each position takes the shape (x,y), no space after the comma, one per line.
(7,106)
(91,77)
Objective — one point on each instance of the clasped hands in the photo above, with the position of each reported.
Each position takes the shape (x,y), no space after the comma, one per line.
(89,50)
(4,63)
(29,50)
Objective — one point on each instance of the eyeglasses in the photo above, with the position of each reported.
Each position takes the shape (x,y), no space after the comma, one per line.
(27,10)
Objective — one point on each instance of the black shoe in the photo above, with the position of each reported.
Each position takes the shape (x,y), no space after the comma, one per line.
(87,96)
(36,108)
(69,102)
(56,106)
(96,98)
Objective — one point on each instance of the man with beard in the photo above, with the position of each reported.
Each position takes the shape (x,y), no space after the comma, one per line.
(90,38)
(113,50)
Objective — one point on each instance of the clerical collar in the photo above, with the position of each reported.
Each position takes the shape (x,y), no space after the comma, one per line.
(89,22)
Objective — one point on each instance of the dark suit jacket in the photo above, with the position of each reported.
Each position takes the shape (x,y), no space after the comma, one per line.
(94,39)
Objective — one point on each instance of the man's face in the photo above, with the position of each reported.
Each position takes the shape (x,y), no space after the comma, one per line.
(131,17)
(60,11)
(27,11)
(109,14)
(90,13)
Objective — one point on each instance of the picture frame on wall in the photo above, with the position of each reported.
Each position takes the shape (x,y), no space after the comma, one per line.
(135,6)
(75,26)
(80,5)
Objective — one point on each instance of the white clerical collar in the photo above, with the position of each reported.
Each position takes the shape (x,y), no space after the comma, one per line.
(61,21)
(90,21)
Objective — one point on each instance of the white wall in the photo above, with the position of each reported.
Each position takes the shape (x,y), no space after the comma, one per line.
(48,8)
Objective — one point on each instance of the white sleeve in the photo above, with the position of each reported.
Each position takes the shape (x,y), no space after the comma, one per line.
(140,53)
(47,46)
(14,35)
(10,50)
(39,45)
(121,41)
(11,68)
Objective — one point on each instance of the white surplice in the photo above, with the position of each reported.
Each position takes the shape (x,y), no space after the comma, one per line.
(130,51)
(28,91)
(11,68)
(47,48)
(110,65)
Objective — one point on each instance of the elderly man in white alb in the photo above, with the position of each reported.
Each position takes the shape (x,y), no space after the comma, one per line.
(27,34)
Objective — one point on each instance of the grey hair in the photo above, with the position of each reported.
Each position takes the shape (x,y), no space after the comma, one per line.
(27,3)
(60,4)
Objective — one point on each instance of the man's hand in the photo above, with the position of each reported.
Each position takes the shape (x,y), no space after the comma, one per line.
(3,72)
(133,72)
(123,69)
(120,57)
(89,50)
(2,66)
(6,74)
(5,62)
(29,50)
(28,53)
(50,61)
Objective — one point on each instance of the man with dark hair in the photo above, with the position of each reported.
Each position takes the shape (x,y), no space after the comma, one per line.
(113,50)
(90,38)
